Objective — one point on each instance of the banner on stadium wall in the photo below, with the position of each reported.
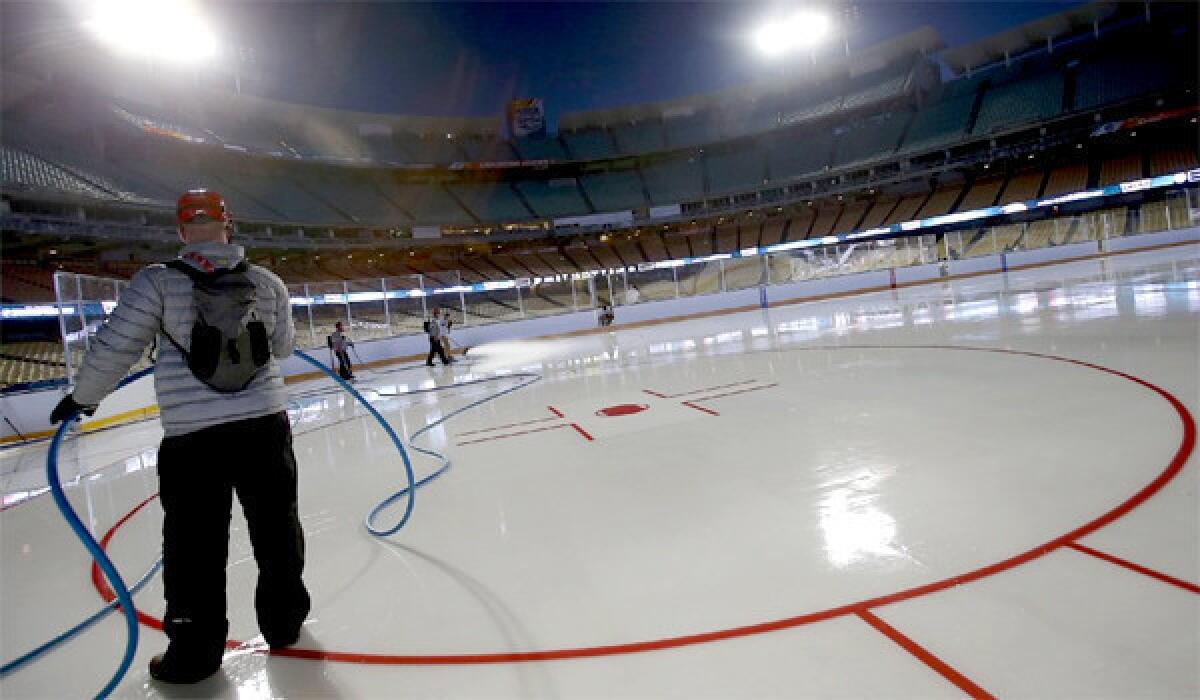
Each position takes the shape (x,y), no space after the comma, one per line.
(527,118)
(1135,122)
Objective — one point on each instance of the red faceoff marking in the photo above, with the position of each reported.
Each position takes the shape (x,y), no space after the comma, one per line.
(622,409)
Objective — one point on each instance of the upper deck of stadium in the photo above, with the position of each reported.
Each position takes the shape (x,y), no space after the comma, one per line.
(874,117)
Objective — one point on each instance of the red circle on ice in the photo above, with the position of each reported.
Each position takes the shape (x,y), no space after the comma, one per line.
(622,409)
(862,608)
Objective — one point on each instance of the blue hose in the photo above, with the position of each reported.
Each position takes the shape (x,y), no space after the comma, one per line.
(124,598)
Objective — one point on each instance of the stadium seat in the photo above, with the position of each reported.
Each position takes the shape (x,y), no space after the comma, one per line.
(735,169)
(1022,187)
(357,196)
(614,191)
(541,149)
(1030,99)
(870,139)
(691,130)
(940,202)
(1068,178)
(591,143)
(750,234)
(983,193)
(772,231)
(800,226)
(673,179)
(554,198)
(827,214)
(25,170)
(428,204)
(652,244)
(1123,169)
(1165,161)
(629,251)
(639,137)
(1112,79)
(906,208)
(848,220)
(727,237)
(794,153)
(878,212)
(482,149)
(493,202)
(939,123)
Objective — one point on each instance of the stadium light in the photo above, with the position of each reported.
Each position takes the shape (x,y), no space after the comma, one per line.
(172,30)
(784,35)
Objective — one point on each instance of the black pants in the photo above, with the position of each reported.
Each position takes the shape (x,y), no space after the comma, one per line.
(436,347)
(198,474)
(345,369)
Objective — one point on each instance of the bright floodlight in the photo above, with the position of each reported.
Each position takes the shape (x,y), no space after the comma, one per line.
(171,30)
(788,34)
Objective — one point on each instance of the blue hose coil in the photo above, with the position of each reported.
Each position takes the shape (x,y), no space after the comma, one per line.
(124,596)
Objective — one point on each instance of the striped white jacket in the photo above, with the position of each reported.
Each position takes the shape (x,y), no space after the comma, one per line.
(159,298)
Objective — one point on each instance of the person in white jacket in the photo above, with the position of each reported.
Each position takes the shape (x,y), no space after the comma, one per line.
(218,439)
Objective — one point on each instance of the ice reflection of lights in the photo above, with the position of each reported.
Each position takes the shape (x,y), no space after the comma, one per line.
(759,332)
(974,310)
(879,321)
(1025,303)
(1193,295)
(808,324)
(1150,300)
(854,527)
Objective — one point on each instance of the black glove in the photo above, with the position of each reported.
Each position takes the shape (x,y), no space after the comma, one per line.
(67,409)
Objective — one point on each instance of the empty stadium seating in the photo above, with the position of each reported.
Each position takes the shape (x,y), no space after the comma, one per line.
(1068,178)
(541,149)
(1021,187)
(592,143)
(1115,78)
(869,139)
(614,191)
(795,153)
(906,208)
(426,203)
(851,215)
(493,202)
(21,169)
(1029,99)
(940,202)
(878,212)
(691,130)
(737,168)
(1165,161)
(983,193)
(639,137)
(1121,169)
(940,123)
(673,179)
(551,198)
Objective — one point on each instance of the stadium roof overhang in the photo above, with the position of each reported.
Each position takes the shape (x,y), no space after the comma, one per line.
(1028,36)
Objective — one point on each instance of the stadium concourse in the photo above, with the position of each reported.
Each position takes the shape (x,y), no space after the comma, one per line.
(985,486)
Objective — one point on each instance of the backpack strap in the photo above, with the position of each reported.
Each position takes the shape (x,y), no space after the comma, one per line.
(203,278)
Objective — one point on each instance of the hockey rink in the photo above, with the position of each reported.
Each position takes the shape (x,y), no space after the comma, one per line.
(980,486)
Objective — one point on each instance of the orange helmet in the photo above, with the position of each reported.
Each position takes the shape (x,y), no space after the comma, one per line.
(195,203)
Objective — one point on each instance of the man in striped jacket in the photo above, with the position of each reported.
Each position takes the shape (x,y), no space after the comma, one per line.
(215,443)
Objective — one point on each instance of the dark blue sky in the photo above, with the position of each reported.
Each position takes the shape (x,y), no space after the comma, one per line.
(468,58)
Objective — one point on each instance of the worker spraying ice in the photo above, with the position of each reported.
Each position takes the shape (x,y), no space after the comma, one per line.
(222,326)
